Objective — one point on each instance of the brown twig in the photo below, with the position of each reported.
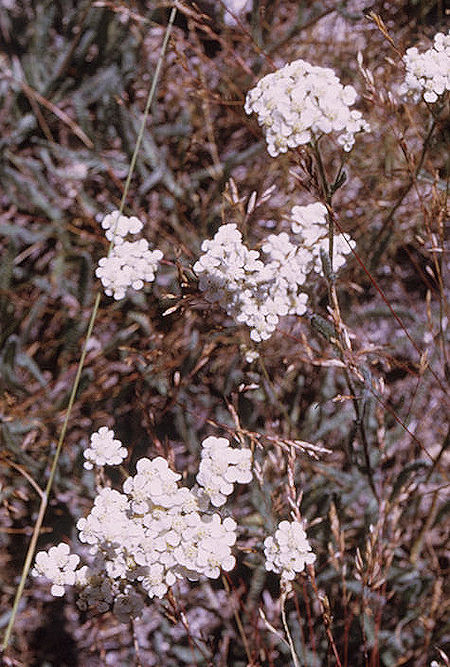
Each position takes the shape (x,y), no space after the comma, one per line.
(325,611)
(59,113)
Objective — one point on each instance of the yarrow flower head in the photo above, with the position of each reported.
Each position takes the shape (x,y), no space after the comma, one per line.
(309,221)
(428,73)
(310,224)
(130,263)
(58,565)
(154,484)
(251,290)
(299,102)
(118,226)
(257,288)
(104,449)
(221,466)
(288,551)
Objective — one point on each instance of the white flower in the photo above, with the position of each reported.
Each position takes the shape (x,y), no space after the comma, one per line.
(118,226)
(310,224)
(214,541)
(154,581)
(342,246)
(428,73)
(253,291)
(107,523)
(214,555)
(130,263)
(143,540)
(58,565)
(300,102)
(239,466)
(104,449)
(288,551)
(304,217)
(220,467)
(250,355)
(154,484)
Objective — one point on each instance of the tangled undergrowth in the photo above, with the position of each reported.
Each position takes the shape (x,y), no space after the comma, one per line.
(251,467)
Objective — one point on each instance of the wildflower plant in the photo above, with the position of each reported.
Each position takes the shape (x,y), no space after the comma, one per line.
(144,539)
(288,551)
(309,223)
(129,264)
(428,73)
(257,288)
(221,467)
(104,449)
(58,565)
(299,103)
(250,289)
(244,548)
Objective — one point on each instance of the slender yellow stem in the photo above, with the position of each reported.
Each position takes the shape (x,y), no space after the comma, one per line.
(287,631)
(45,496)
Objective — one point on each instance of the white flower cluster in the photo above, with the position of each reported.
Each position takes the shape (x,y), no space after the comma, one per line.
(118,226)
(104,449)
(288,551)
(257,292)
(130,263)
(428,73)
(300,102)
(310,223)
(220,467)
(252,291)
(144,538)
(58,565)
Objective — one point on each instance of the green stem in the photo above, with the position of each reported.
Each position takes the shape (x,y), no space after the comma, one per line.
(326,190)
(45,496)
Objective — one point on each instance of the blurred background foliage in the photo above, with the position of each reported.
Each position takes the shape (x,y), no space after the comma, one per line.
(165,371)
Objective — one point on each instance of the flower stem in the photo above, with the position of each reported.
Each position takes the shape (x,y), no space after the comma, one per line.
(343,343)
(287,631)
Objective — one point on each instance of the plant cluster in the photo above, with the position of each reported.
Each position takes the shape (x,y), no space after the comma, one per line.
(141,541)
(278,377)
(129,264)
(300,102)
(428,73)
